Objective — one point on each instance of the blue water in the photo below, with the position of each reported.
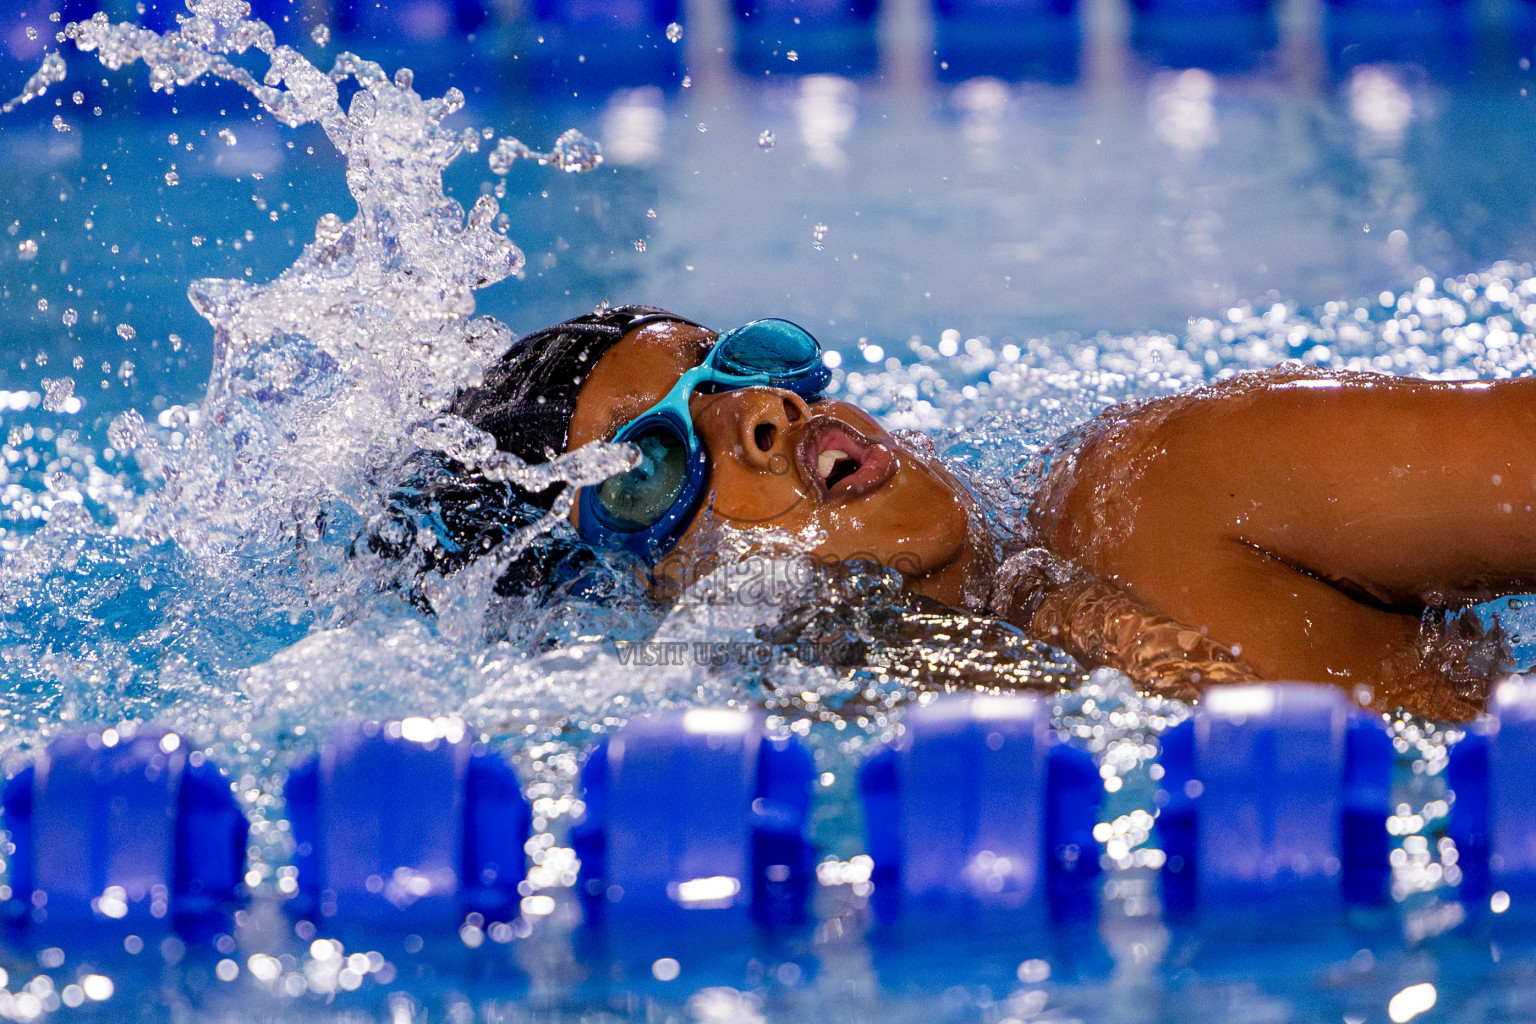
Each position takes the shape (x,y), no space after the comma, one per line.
(1130,230)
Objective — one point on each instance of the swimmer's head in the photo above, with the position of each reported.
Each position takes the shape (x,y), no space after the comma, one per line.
(528,396)
(775,459)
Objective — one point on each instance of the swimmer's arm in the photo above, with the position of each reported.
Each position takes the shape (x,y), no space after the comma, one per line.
(1100,624)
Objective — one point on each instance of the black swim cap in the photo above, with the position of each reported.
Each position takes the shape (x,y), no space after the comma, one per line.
(528,396)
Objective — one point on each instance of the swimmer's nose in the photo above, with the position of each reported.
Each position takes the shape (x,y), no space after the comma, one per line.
(764,419)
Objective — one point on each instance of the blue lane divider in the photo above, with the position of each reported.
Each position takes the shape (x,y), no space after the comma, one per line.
(1015,40)
(825,36)
(1491,821)
(1275,796)
(586,46)
(978,812)
(406,21)
(1220,36)
(618,15)
(695,819)
(406,824)
(135,829)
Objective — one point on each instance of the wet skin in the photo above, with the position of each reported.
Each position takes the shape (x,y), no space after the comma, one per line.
(1308,519)
(776,461)
(1296,523)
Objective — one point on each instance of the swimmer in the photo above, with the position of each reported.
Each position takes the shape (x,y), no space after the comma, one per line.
(1287,525)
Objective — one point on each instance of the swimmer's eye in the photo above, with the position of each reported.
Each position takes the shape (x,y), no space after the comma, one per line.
(642,496)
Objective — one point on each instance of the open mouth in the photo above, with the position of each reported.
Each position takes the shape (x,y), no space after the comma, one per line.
(839,461)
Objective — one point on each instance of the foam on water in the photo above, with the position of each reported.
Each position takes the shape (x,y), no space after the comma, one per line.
(219,585)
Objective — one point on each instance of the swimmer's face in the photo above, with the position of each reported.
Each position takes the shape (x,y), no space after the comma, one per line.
(776,461)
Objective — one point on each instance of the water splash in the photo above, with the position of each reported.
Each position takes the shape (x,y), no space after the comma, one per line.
(324,381)
(52,71)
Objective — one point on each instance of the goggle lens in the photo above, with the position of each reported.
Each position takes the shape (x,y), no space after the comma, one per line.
(639,498)
(773,346)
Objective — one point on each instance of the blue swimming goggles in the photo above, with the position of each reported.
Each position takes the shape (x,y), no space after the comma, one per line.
(645,510)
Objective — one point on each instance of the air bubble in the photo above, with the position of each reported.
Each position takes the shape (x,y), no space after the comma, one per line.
(674,32)
(126,332)
(172,178)
(766,140)
(27,250)
(321,34)
(818,235)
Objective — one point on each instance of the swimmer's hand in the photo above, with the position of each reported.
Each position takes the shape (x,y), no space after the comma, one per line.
(1099,624)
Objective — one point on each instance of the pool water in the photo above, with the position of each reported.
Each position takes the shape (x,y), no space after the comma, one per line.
(992,261)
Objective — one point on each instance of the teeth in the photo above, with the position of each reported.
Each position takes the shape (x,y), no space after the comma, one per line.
(828,460)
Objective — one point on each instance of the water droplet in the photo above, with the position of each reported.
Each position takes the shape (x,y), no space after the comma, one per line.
(674,32)
(27,250)
(57,394)
(574,153)
(639,245)
(59,124)
(321,34)
(818,235)
(364,107)
(71,318)
(328,228)
(126,431)
(792,56)
(126,332)
(172,178)
(766,140)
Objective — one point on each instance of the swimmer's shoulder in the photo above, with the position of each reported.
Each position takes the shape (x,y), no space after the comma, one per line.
(1096,478)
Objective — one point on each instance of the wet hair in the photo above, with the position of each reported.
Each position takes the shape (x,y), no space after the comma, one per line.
(525,401)
(528,396)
